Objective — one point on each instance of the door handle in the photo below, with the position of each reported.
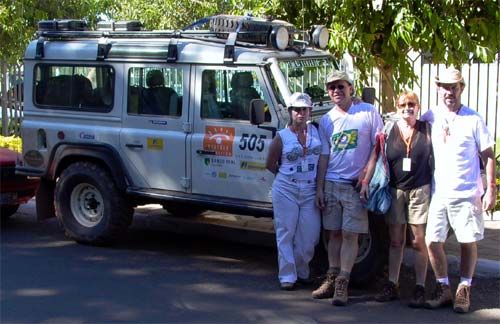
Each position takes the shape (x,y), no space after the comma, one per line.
(205,152)
(134,145)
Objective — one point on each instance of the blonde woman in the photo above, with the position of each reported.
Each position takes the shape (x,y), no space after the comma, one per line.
(409,154)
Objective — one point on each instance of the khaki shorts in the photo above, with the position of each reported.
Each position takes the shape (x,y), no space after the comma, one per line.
(463,215)
(344,209)
(409,206)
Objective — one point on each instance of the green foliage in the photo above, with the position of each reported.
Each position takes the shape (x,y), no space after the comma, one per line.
(19,18)
(448,31)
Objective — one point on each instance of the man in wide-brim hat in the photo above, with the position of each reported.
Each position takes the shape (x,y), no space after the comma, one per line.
(459,139)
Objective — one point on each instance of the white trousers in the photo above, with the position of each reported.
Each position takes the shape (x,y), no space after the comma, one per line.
(297,223)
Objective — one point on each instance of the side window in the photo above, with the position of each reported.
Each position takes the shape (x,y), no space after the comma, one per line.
(155,91)
(89,88)
(228,93)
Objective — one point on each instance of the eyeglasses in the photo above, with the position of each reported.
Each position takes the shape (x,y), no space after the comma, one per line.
(407,104)
(449,87)
(338,86)
(299,109)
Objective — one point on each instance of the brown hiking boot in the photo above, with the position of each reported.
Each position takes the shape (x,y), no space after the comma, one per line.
(462,299)
(418,299)
(340,296)
(440,298)
(390,291)
(326,289)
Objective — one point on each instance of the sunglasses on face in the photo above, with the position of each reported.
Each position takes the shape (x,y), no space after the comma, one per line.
(407,104)
(449,87)
(332,87)
(299,109)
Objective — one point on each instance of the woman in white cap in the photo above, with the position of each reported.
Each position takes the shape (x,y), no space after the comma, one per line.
(293,158)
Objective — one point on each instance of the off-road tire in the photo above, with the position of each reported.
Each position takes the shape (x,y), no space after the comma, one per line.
(8,210)
(89,205)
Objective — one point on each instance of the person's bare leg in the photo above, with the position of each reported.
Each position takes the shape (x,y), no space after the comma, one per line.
(348,251)
(397,233)
(468,259)
(421,256)
(437,258)
(334,247)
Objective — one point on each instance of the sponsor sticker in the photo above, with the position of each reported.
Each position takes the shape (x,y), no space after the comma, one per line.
(155,143)
(219,139)
(250,165)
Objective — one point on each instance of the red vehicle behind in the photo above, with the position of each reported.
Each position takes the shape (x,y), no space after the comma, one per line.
(14,189)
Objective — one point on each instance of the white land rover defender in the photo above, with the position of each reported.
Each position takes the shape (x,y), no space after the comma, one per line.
(118,117)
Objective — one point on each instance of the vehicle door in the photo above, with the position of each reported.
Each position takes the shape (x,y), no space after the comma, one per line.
(152,137)
(229,153)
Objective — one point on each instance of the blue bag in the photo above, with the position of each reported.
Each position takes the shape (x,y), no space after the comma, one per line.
(379,193)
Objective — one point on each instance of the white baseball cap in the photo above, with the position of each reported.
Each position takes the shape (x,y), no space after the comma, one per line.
(299,99)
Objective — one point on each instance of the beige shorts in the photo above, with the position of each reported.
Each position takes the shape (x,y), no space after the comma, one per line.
(463,215)
(344,209)
(409,206)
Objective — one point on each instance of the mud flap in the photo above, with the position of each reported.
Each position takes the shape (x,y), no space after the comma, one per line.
(45,200)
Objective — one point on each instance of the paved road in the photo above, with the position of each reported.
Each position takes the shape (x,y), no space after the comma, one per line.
(163,271)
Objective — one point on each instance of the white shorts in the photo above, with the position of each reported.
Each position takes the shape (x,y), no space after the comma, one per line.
(463,215)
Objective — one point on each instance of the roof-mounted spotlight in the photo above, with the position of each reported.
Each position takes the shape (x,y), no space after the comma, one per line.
(279,37)
(320,36)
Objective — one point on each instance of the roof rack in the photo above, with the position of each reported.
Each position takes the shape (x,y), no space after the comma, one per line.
(231,30)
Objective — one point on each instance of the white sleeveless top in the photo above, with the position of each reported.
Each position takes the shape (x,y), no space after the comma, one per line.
(293,160)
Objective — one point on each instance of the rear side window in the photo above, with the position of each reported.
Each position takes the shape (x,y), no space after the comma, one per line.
(155,91)
(88,88)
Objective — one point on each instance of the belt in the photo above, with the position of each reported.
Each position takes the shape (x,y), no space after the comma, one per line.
(301,181)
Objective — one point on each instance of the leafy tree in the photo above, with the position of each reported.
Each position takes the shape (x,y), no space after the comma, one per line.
(19,18)
(446,31)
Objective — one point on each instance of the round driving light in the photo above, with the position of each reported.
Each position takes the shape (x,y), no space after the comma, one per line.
(320,37)
(279,37)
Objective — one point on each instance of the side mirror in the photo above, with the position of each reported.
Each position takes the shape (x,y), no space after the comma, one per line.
(368,95)
(257,111)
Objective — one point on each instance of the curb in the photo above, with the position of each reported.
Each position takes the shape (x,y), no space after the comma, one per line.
(484,268)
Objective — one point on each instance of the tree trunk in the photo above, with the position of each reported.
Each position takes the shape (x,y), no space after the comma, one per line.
(388,97)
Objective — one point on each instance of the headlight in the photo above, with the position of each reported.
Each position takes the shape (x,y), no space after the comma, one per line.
(320,36)
(279,37)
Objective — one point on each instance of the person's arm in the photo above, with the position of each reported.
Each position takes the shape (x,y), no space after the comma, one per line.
(369,170)
(274,154)
(489,197)
(320,180)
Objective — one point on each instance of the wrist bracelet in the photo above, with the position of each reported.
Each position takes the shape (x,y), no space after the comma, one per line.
(364,181)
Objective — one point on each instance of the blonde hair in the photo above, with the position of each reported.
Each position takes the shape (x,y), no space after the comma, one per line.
(409,95)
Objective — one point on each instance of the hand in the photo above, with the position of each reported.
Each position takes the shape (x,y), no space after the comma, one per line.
(363,193)
(320,199)
(489,199)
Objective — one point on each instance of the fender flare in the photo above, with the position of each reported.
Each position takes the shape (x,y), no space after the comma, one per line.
(65,153)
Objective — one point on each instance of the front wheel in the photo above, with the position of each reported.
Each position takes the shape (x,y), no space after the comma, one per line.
(89,205)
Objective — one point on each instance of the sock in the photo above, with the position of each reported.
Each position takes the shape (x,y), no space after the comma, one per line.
(443,281)
(465,281)
(344,274)
(334,270)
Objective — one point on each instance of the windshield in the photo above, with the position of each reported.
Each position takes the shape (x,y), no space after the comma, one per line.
(308,75)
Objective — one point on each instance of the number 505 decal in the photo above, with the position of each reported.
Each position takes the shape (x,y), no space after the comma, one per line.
(252,142)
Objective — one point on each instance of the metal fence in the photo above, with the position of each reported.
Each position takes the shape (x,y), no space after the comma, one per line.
(11,98)
(481,92)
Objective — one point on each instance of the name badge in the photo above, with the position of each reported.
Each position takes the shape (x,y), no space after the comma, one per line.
(406,164)
(304,166)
